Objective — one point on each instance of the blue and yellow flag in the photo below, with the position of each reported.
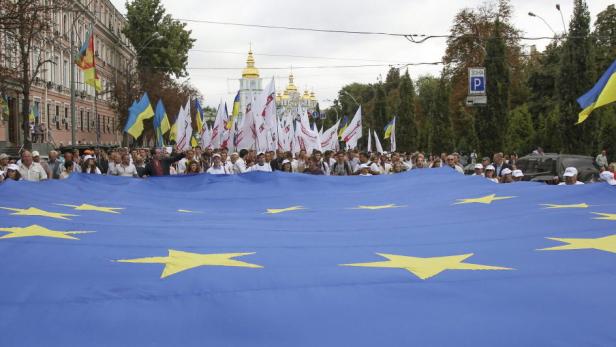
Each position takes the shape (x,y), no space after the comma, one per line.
(389,127)
(161,123)
(603,93)
(425,258)
(34,114)
(137,113)
(199,117)
(343,125)
(235,112)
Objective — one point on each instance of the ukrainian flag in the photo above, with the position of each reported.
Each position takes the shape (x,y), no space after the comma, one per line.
(343,125)
(389,128)
(603,93)
(235,112)
(34,114)
(139,112)
(199,118)
(161,123)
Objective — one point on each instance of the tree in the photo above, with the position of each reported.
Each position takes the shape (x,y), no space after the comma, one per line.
(28,25)
(406,123)
(604,37)
(575,78)
(380,113)
(432,96)
(520,133)
(146,21)
(491,123)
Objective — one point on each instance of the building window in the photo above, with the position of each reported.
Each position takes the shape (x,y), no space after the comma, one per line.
(48,113)
(58,117)
(66,118)
(81,119)
(88,120)
(65,74)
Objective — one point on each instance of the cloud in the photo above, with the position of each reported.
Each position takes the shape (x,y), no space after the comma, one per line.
(399,16)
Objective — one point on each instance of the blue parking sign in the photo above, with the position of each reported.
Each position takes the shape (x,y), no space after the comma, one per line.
(477,80)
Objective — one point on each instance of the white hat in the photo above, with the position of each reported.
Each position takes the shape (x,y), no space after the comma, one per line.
(215,155)
(478,166)
(608,177)
(4,156)
(1,173)
(490,167)
(87,157)
(13,167)
(506,171)
(286,161)
(518,173)
(35,154)
(570,172)
(260,153)
(364,166)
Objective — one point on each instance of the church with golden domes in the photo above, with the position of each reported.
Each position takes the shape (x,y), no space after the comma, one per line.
(287,101)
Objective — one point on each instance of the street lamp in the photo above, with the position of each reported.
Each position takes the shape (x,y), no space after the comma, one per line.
(561,18)
(544,21)
(352,98)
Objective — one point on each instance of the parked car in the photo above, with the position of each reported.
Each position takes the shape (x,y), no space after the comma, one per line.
(543,168)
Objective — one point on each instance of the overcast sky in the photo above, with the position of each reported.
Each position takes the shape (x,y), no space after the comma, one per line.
(221,46)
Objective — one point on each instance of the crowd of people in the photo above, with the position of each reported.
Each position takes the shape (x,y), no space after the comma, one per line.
(142,163)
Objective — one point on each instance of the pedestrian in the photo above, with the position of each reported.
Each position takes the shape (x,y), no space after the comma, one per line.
(89,165)
(490,173)
(217,167)
(570,176)
(30,170)
(601,159)
(261,164)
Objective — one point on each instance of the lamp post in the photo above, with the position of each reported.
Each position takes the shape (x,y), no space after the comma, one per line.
(561,18)
(544,21)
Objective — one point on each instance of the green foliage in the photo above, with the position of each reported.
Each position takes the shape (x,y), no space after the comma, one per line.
(520,133)
(491,122)
(162,43)
(406,123)
(575,78)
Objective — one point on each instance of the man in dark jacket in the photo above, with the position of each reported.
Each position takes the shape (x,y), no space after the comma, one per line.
(160,163)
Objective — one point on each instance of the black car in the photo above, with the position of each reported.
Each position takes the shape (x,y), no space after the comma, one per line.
(543,168)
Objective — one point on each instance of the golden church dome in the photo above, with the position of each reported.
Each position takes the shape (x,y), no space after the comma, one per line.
(250,71)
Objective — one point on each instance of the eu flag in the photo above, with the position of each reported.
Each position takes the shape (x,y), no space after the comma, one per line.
(426,258)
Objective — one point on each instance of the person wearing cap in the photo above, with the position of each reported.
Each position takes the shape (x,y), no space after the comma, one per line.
(89,165)
(608,177)
(364,158)
(478,170)
(506,175)
(260,165)
(570,177)
(12,172)
(217,167)
(490,173)
(364,170)
(4,161)
(239,164)
(286,166)
(517,175)
(29,170)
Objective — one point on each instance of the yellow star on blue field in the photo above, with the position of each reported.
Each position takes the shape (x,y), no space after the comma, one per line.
(554,206)
(37,230)
(178,261)
(606,216)
(376,207)
(32,211)
(282,210)
(607,244)
(88,207)
(425,268)
(488,199)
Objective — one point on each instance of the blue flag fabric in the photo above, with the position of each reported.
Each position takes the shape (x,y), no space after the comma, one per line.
(426,258)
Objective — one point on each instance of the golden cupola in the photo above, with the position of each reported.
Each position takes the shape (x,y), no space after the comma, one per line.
(306,95)
(291,87)
(313,97)
(250,71)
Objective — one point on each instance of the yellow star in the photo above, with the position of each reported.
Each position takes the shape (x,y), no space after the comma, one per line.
(425,268)
(606,216)
(178,261)
(582,205)
(281,210)
(32,211)
(483,200)
(87,207)
(37,230)
(381,207)
(607,243)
